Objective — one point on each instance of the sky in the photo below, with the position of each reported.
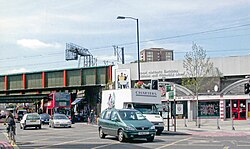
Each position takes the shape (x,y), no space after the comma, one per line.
(33,34)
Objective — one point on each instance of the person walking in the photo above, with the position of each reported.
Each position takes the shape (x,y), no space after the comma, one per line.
(92,117)
(11,125)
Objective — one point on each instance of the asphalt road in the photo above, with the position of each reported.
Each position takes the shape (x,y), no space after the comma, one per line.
(86,136)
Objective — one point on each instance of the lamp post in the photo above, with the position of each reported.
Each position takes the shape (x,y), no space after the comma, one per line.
(138,46)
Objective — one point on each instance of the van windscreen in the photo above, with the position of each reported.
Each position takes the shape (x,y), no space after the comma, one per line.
(146,108)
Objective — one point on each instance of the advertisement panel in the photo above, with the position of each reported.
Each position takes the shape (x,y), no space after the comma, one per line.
(122,79)
(179,108)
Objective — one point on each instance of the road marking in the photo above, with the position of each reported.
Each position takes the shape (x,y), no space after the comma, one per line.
(73,141)
(211,145)
(226,147)
(243,145)
(14,145)
(112,143)
(173,143)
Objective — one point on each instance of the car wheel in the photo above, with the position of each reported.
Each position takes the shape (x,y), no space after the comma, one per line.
(101,134)
(158,133)
(121,137)
(150,139)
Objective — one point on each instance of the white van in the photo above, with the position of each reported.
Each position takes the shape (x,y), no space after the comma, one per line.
(143,100)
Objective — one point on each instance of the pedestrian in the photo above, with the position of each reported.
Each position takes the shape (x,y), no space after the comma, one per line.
(11,123)
(92,116)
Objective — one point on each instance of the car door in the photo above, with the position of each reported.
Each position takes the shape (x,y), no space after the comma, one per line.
(114,123)
(106,122)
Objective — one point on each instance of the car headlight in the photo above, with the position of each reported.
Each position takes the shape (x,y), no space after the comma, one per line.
(152,127)
(129,128)
(161,124)
(68,122)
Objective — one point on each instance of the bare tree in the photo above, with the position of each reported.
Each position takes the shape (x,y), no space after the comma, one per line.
(199,72)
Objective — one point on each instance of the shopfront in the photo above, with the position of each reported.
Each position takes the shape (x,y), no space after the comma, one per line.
(209,109)
(239,109)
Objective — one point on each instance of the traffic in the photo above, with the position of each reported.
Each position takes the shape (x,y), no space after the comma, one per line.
(123,116)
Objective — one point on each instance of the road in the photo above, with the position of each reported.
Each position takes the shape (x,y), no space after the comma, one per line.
(86,136)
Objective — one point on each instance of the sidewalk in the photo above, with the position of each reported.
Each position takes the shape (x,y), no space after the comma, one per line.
(3,139)
(209,127)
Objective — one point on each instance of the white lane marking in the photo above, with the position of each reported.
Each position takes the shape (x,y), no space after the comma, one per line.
(173,143)
(112,143)
(68,142)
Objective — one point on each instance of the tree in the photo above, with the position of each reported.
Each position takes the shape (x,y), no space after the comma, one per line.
(200,72)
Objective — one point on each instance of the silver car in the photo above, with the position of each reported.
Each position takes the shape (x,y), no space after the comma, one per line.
(31,120)
(59,120)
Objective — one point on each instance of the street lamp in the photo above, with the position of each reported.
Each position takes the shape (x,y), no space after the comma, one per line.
(138,47)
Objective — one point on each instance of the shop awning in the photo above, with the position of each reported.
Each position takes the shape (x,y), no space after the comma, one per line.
(77,101)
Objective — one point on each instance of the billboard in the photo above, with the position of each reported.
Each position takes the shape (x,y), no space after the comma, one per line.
(122,79)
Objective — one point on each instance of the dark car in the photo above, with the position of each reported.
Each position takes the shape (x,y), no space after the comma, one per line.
(126,124)
(45,118)
(20,114)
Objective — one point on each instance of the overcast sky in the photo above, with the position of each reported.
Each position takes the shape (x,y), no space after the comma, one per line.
(33,34)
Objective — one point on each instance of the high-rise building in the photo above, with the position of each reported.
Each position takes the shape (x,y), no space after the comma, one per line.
(156,54)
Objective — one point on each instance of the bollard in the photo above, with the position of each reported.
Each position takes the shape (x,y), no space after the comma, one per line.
(233,124)
(218,125)
(185,123)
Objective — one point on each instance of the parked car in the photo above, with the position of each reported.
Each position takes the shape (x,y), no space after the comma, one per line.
(20,114)
(45,118)
(59,120)
(125,124)
(31,120)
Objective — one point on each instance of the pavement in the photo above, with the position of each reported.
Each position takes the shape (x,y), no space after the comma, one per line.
(4,143)
(210,127)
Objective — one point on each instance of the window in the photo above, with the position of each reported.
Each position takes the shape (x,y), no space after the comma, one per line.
(114,115)
(33,117)
(131,115)
(149,53)
(107,115)
(103,114)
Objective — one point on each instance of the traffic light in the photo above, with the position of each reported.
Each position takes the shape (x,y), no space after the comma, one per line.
(247,88)
(154,84)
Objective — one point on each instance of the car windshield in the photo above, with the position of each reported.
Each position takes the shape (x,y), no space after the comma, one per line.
(131,115)
(65,111)
(33,117)
(21,112)
(59,117)
(146,108)
(45,116)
